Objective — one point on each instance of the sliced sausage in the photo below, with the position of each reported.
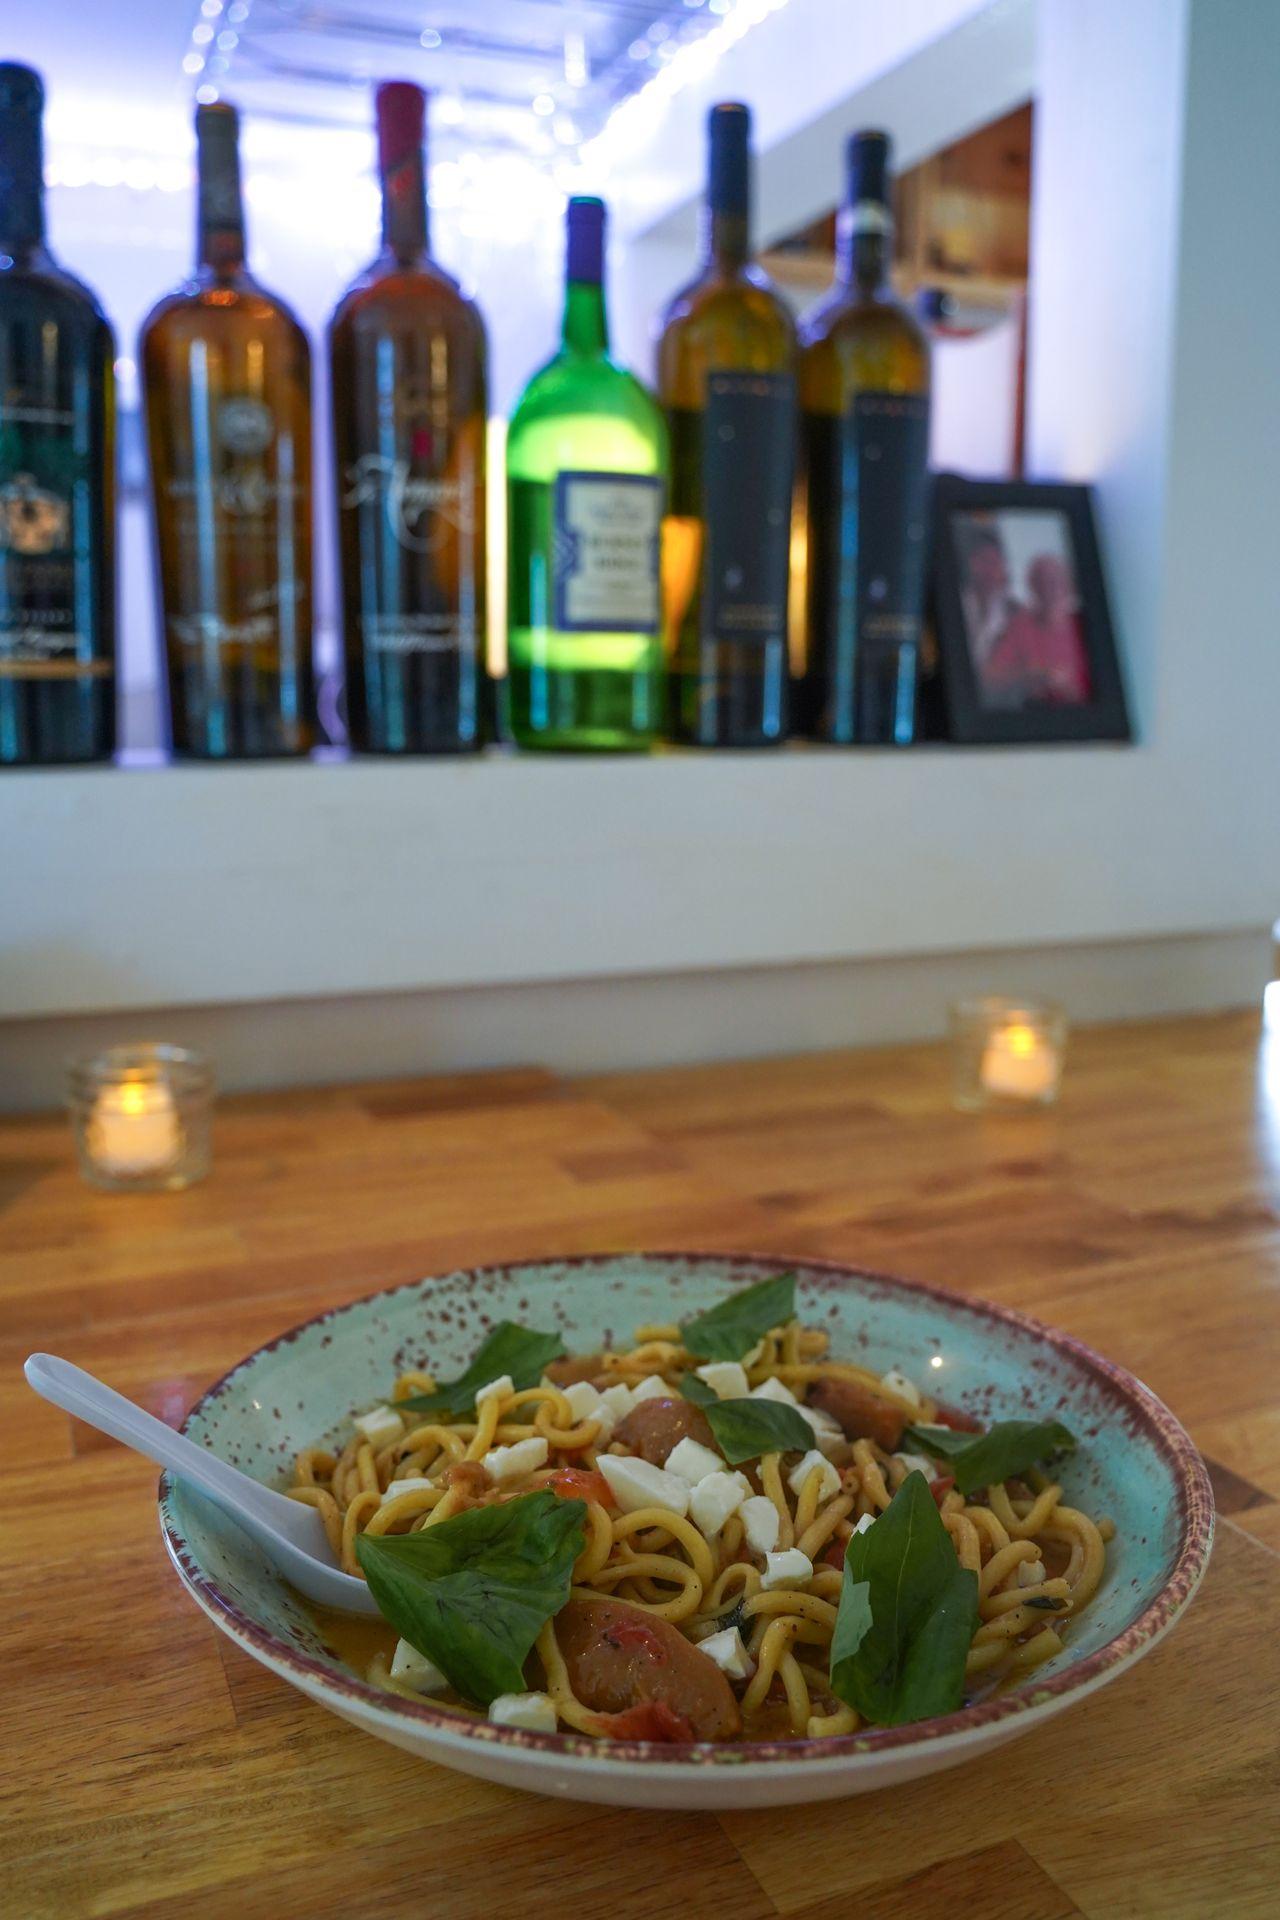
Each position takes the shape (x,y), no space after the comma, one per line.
(654,1427)
(572,1367)
(863,1414)
(620,1658)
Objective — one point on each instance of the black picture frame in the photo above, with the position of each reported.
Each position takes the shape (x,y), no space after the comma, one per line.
(993,653)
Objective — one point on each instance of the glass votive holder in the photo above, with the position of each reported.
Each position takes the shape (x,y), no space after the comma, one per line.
(141,1117)
(1006,1053)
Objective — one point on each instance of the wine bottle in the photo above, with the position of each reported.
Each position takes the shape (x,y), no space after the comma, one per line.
(407,365)
(226,375)
(57,473)
(586,481)
(864,399)
(726,365)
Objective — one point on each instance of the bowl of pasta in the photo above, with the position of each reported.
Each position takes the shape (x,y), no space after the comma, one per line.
(695,1530)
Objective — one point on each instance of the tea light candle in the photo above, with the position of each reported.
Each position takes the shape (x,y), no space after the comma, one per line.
(1006,1052)
(134,1129)
(1019,1063)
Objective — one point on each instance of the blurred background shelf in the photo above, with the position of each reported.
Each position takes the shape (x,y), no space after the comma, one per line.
(766,900)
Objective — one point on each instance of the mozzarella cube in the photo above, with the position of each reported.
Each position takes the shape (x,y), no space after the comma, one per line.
(413,1669)
(413,1484)
(830,1481)
(513,1462)
(729,1654)
(534,1712)
(653,1387)
(727,1379)
(1031,1573)
(712,1501)
(867,1520)
(827,1432)
(586,1404)
(897,1382)
(760,1523)
(496,1390)
(635,1484)
(772,1389)
(380,1426)
(916,1463)
(690,1461)
(789,1569)
(619,1399)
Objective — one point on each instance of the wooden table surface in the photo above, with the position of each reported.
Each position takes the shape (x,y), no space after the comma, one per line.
(153,1770)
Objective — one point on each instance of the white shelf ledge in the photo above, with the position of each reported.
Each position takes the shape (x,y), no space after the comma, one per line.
(190,886)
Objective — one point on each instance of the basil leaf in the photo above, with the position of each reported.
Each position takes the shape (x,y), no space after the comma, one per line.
(982,1460)
(744,1429)
(698,1391)
(1046,1603)
(908,1612)
(734,1327)
(474,1592)
(509,1349)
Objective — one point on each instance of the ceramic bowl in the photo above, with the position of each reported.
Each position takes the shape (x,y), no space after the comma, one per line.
(1134,1462)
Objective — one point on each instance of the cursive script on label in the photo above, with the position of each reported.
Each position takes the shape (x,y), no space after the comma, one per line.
(418,509)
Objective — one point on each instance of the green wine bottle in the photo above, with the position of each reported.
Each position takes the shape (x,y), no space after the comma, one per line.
(586,492)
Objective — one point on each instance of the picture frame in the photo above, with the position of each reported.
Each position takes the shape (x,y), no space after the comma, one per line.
(1026,649)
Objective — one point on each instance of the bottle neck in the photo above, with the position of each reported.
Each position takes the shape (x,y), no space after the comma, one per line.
(726,239)
(220,243)
(864,247)
(404,207)
(21,185)
(586,328)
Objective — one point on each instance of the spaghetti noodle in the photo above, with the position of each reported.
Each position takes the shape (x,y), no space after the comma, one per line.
(761,1598)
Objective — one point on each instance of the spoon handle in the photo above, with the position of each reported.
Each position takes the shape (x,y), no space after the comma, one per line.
(76,1391)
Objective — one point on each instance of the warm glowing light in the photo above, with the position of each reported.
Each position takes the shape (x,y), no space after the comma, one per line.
(1019,1063)
(134,1128)
(935,1360)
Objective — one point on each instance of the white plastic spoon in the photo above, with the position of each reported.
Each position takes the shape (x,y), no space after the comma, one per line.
(289,1532)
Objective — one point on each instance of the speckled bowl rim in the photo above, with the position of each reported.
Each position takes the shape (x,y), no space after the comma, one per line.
(1035,1701)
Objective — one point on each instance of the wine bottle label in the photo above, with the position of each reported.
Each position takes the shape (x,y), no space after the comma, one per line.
(41,472)
(246,478)
(232,503)
(419,510)
(747,460)
(607,532)
(868,497)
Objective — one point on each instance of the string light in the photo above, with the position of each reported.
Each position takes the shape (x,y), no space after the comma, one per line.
(683,63)
(575,59)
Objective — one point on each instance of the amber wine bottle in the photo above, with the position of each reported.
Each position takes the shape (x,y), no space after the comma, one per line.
(226,375)
(586,479)
(864,400)
(407,366)
(57,473)
(726,365)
